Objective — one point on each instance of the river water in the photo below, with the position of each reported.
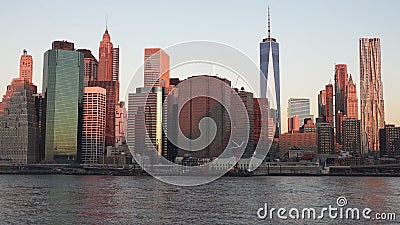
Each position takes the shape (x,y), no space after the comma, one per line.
(63,199)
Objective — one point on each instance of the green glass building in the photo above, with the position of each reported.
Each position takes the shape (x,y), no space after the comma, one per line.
(63,73)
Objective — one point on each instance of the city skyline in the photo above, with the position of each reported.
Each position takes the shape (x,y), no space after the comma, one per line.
(294,60)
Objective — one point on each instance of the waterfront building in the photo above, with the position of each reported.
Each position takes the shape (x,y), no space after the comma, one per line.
(325,137)
(112,88)
(19,128)
(146,119)
(63,71)
(351,136)
(197,108)
(390,141)
(371,91)
(303,141)
(248,101)
(94,125)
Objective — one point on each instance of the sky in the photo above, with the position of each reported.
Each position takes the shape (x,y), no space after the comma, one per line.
(313,35)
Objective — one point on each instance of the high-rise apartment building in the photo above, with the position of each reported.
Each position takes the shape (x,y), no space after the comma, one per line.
(26,67)
(63,72)
(390,140)
(94,125)
(270,75)
(351,136)
(371,91)
(325,137)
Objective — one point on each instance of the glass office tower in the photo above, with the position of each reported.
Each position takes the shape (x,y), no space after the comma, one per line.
(63,73)
(270,77)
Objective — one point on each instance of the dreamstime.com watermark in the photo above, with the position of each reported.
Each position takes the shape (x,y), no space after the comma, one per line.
(338,211)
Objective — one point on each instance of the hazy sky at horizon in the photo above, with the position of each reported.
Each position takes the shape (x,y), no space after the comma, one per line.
(313,36)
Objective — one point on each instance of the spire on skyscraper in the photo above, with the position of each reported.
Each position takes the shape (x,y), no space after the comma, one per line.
(351,80)
(269,24)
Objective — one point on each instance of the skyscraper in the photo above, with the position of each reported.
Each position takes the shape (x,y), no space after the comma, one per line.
(112,88)
(322,105)
(156,67)
(26,67)
(299,107)
(63,72)
(146,116)
(105,58)
(371,91)
(352,100)
(91,65)
(197,108)
(19,128)
(248,101)
(269,75)
(329,104)
(107,78)
(341,79)
(94,124)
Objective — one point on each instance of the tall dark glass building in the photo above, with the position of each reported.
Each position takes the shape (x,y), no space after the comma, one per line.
(269,75)
(63,72)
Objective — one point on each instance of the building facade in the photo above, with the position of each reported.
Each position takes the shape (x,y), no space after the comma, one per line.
(351,136)
(390,141)
(371,91)
(248,101)
(325,137)
(303,141)
(19,128)
(63,72)
(94,125)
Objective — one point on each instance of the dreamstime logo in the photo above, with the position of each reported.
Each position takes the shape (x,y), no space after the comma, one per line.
(201,115)
(330,212)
